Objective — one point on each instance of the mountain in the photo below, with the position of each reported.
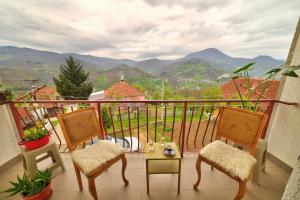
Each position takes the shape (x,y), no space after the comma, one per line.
(104,79)
(104,63)
(152,65)
(22,67)
(266,61)
(191,72)
(219,59)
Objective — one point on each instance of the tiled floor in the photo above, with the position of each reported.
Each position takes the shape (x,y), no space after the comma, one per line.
(214,185)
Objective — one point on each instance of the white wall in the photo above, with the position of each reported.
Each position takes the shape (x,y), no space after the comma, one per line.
(8,143)
(284,129)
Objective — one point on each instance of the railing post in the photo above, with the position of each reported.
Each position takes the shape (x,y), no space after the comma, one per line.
(100,120)
(183,128)
(17,119)
(269,113)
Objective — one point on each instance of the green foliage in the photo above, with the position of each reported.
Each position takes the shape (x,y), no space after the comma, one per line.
(5,57)
(245,68)
(6,92)
(106,118)
(138,86)
(191,70)
(29,187)
(84,105)
(212,92)
(101,82)
(34,133)
(55,122)
(72,82)
(168,129)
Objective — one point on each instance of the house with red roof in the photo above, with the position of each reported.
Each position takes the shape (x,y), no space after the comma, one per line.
(46,93)
(123,91)
(26,117)
(229,90)
(29,116)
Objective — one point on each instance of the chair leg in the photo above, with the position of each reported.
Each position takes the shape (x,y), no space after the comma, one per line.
(242,190)
(124,164)
(198,169)
(92,188)
(78,176)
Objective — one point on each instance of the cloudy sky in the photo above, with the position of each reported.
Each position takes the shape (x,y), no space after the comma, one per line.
(150,28)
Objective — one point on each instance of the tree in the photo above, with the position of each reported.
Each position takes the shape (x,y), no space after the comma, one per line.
(72,82)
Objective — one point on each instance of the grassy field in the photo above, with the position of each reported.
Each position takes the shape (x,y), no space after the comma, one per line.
(151,122)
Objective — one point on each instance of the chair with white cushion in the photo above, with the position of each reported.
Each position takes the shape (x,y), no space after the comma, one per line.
(79,127)
(238,126)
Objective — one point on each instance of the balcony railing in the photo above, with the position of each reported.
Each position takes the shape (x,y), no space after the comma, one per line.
(189,123)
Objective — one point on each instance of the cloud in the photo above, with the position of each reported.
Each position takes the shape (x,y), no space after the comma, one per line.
(140,29)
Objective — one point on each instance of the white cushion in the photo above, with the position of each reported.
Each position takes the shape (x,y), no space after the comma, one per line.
(92,157)
(236,162)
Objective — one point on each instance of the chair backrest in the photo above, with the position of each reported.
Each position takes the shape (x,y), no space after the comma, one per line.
(241,125)
(79,126)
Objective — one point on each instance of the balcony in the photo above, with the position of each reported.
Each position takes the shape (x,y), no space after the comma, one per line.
(214,184)
(190,124)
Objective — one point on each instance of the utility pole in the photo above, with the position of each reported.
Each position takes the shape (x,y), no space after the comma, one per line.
(162,111)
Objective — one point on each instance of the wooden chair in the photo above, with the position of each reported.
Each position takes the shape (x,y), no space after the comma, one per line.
(80,126)
(239,126)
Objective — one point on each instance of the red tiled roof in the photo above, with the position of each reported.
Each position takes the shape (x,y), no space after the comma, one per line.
(22,112)
(122,90)
(45,91)
(229,90)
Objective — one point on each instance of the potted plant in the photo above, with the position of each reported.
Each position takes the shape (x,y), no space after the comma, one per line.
(270,75)
(5,94)
(35,137)
(36,188)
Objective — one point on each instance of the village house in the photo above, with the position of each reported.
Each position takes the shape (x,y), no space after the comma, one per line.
(123,91)
(45,93)
(229,90)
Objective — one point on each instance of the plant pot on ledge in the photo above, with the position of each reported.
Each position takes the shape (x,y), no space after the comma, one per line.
(35,144)
(35,137)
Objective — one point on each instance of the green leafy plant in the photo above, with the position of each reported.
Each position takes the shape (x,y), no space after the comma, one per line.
(6,93)
(29,187)
(270,75)
(35,133)
(106,118)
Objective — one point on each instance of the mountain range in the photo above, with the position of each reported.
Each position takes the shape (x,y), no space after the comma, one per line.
(21,67)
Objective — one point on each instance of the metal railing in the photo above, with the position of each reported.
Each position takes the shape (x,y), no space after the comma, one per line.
(189,123)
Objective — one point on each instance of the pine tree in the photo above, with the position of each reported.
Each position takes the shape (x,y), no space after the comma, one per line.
(72,82)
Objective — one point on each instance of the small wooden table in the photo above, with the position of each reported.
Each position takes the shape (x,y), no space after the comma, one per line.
(158,163)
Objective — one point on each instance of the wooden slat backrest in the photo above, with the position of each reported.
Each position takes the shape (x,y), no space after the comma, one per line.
(241,125)
(79,126)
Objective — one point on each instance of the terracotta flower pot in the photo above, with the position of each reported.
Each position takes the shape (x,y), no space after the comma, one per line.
(34,144)
(43,195)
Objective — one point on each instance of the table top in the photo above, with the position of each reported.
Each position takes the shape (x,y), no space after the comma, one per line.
(158,153)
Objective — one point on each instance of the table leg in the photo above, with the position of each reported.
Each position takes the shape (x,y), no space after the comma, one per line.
(179,175)
(147,177)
